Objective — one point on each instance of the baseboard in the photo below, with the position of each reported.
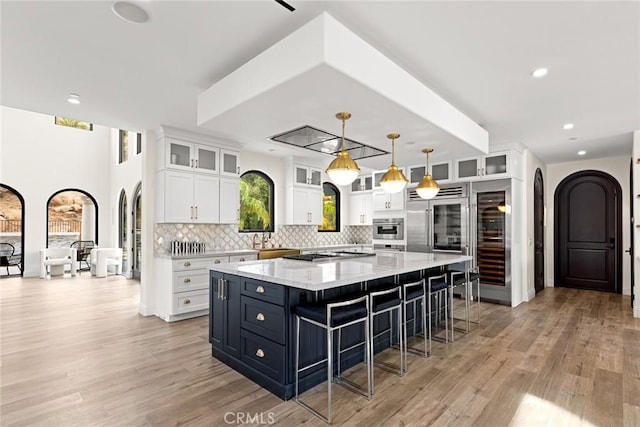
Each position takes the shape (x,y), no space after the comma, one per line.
(531,294)
(145,310)
(636,311)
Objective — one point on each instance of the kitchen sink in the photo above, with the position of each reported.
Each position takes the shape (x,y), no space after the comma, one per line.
(276,252)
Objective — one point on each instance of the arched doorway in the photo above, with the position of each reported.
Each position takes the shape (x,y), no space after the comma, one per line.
(136,233)
(588,232)
(12,227)
(122,229)
(538,231)
(72,215)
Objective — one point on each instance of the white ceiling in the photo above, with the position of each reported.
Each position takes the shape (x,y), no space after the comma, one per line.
(476,55)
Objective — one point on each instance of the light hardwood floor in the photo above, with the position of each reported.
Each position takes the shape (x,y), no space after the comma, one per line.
(74,352)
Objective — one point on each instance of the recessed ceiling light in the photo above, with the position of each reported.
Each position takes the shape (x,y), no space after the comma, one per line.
(410,143)
(567,126)
(272,149)
(573,138)
(539,72)
(581,153)
(130,12)
(73,98)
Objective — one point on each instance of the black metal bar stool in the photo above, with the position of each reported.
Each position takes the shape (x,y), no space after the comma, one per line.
(333,316)
(413,293)
(380,302)
(436,286)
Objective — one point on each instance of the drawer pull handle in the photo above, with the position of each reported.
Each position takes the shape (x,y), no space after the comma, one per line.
(187,264)
(187,280)
(260,353)
(260,290)
(187,301)
(216,261)
(241,259)
(260,317)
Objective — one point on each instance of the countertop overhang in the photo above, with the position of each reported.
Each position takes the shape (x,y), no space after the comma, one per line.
(330,274)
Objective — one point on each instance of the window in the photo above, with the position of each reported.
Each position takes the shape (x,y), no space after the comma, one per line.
(73,123)
(124,146)
(138,143)
(330,208)
(256,202)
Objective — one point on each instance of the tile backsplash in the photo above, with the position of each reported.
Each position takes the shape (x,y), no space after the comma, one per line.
(226,236)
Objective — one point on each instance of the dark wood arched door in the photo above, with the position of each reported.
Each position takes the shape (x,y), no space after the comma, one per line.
(588,232)
(538,230)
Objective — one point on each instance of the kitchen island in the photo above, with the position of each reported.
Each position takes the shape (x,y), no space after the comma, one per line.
(251,325)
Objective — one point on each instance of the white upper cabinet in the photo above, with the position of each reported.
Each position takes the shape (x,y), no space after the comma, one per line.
(360,209)
(230,162)
(416,173)
(491,166)
(304,206)
(184,155)
(383,201)
(362,183)
(185,197)
(230,200)
(307,176)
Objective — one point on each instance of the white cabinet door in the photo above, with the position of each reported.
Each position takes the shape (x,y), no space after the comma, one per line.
(300,208)
(388,201)
(314,205)
(416,173)
(178,206)
(315,177)
(360,209)
(206,159)
(230,163)
(307,176)
(306,206)
(229,200)
(179,154)
(495,165)
(441,172)
(206,193)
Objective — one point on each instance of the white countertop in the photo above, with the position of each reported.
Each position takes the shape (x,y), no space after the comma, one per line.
(316,276)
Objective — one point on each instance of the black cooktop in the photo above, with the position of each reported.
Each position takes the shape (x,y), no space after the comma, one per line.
(328,256)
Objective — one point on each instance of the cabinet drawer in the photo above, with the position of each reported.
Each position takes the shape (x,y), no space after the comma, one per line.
(195,263)
(263,355)
(190,280)
(263,291)
(186,302)
(240,258)
(263,318)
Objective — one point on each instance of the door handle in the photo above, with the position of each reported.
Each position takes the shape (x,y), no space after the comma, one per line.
(628,251)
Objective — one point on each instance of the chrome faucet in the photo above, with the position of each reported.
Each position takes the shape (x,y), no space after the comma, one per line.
(255,244)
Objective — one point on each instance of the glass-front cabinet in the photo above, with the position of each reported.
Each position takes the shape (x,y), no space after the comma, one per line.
(230,163)
(193,157)
(416,173)
(484,167)
(362,183)
(307,176)
(442,172)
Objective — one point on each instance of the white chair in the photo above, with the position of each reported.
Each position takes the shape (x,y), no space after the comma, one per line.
(102,258)
(53,261)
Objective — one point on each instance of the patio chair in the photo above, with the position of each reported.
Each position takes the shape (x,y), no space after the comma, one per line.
(8,257)
(83,248)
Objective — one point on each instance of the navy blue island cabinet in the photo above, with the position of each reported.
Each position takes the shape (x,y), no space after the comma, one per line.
(252,330)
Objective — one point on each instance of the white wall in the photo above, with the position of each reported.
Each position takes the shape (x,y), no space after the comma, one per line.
(40,158)
(532,163)
(618,167)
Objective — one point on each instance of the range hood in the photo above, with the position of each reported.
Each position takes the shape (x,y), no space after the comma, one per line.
(324,142)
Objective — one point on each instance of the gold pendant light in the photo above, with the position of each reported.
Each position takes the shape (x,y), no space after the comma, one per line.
(393,181)
(343,170)
(428,187)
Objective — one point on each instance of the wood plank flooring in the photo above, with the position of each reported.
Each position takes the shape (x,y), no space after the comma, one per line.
(74,352)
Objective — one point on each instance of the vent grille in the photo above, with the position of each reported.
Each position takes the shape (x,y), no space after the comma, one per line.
(444,193)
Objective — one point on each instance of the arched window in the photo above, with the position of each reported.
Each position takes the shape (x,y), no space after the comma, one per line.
(72,215)
(11,231)
(256,202)
(330,208)
(122,228)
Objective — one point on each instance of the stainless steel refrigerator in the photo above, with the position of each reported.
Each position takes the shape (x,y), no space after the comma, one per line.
(440,224)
